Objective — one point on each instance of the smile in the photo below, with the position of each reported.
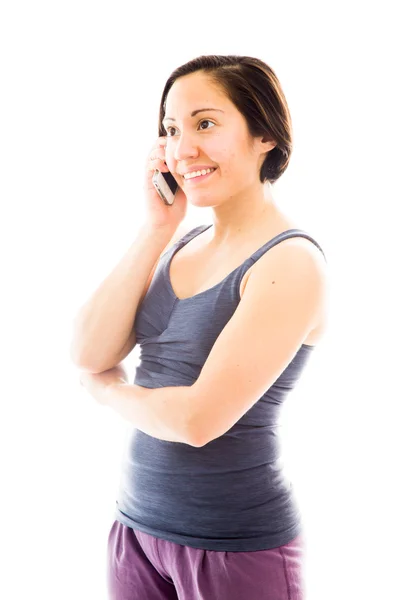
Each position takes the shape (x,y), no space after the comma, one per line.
(199,179)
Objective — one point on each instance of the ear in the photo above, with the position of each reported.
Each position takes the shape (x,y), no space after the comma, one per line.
(262,145)
(267,144)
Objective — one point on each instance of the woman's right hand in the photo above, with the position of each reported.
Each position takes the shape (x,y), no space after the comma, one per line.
(159,214)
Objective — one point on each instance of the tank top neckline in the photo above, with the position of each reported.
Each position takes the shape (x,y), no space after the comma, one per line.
(187,239)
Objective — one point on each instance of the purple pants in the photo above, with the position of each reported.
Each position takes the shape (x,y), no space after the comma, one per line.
(143,567)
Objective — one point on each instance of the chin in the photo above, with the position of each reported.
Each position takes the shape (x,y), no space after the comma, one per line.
(197,199)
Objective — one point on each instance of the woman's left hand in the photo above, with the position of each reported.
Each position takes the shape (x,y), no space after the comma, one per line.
(97,383)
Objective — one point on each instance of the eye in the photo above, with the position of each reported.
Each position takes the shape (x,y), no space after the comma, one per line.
(206,121)
(168,129)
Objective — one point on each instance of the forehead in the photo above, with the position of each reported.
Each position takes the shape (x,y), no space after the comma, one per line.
(194,91)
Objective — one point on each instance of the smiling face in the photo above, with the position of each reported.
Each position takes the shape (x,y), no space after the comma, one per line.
(215,138)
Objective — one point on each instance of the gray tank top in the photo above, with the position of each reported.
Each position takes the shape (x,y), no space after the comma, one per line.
(231,494)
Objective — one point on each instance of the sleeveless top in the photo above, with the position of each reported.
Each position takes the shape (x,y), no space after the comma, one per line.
(231,494)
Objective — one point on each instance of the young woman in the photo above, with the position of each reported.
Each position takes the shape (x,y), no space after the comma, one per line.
(227,321)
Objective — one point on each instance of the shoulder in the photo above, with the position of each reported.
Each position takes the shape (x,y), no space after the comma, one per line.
(297,269)
(291,254)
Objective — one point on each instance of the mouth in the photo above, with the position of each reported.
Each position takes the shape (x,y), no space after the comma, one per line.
(199,179)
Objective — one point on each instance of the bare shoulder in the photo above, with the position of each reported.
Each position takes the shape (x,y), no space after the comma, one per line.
(297,254)
(290,251)
(300,262)
(300,247)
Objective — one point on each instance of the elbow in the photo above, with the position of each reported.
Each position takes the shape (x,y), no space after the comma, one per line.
(196,442)
(189,435)
(204,428)
(195,431)
(190,419)
(198,439)
(83,364)
(76,358)
(202,420)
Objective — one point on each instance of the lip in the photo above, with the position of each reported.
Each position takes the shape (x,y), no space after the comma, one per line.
(197,180)
(197,168)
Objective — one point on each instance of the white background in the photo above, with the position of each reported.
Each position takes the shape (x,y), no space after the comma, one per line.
(80,90)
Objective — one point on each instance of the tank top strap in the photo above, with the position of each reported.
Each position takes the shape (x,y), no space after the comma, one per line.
(190,235)
(284,235)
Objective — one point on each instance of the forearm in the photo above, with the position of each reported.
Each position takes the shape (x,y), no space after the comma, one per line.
(104,323)
(164,413)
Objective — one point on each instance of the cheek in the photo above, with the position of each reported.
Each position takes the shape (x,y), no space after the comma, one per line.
(232,164)
(227,153)
(225,158)
(217,148)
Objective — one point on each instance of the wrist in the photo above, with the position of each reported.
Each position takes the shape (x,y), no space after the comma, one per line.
(164,232)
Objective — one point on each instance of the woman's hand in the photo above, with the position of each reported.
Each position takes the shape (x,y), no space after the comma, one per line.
(97,383)
(160,215)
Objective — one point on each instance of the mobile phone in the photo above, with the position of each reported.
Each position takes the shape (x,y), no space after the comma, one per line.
(166,186)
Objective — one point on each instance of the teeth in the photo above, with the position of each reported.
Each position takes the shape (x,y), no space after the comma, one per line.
(197,173)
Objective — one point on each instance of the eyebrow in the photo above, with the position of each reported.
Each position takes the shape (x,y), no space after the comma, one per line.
(194,113)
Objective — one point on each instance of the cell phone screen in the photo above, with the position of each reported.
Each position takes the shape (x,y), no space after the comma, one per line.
(166,186)
(171,181)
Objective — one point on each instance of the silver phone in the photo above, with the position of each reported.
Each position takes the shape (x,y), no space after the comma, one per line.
(166,186)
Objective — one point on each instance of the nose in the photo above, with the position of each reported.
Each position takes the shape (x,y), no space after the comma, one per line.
(184,147)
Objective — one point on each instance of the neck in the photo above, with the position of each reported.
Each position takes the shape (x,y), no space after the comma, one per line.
(233,220)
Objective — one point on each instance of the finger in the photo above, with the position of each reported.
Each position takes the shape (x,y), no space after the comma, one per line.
(157,151)
(159,145)
(157,156)
(157,163)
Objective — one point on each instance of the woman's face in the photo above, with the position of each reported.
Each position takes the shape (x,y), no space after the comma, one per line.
(215,138)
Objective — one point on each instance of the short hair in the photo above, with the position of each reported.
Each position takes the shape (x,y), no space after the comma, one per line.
(253,87)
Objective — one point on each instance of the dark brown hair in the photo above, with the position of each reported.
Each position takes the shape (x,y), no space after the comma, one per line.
(252,86)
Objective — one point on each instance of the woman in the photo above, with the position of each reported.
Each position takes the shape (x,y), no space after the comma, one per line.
(227,321)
